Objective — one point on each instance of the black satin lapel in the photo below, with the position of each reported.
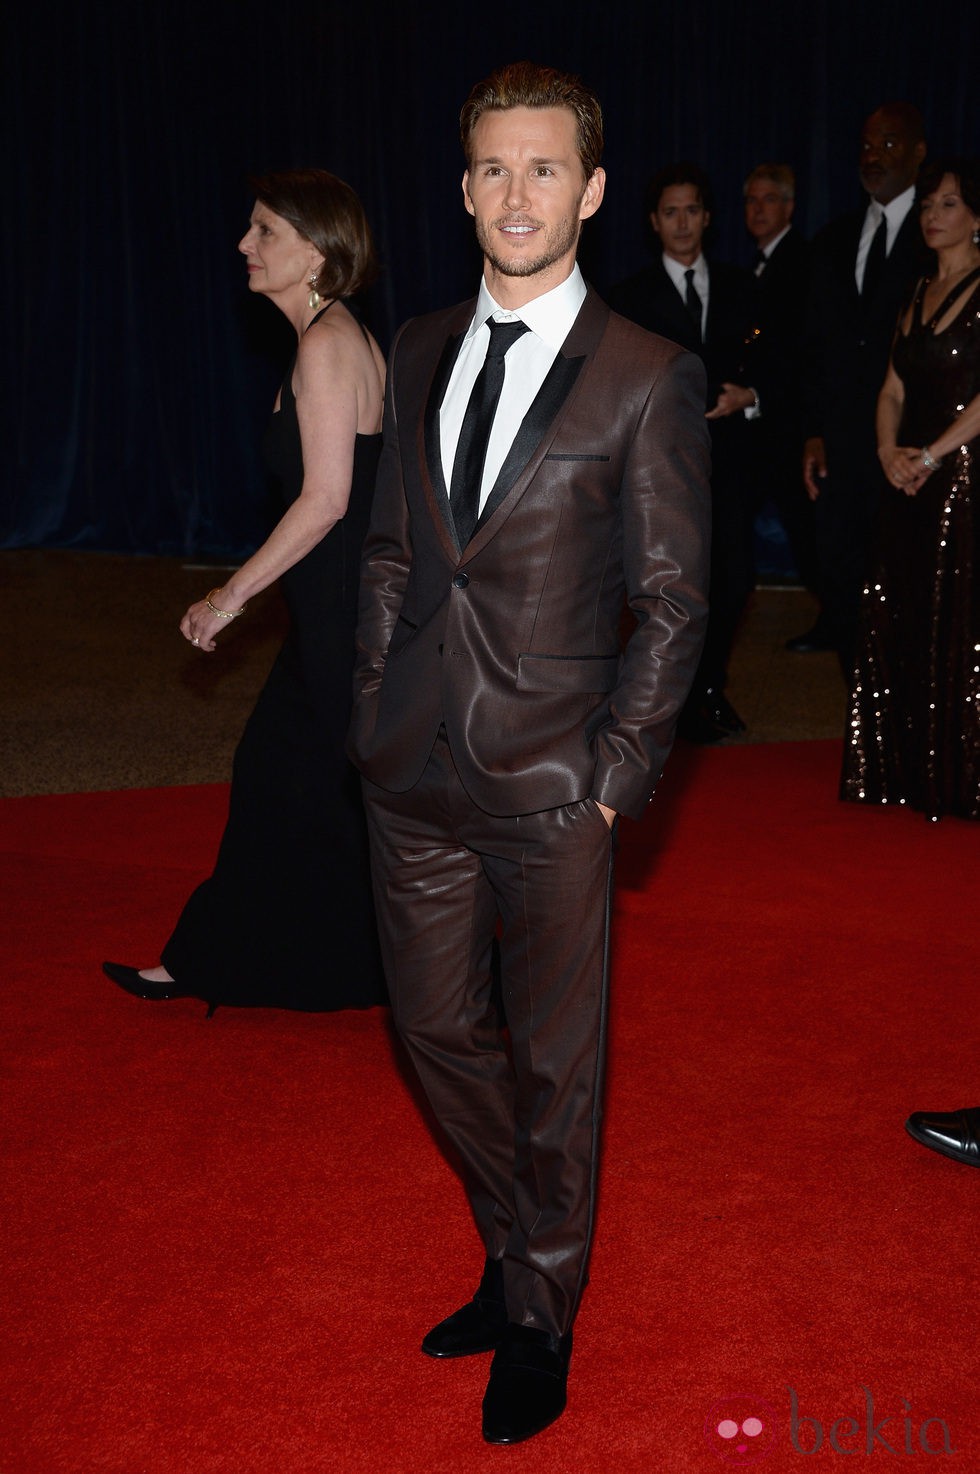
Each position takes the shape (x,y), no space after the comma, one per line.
(433,443)
(545,406)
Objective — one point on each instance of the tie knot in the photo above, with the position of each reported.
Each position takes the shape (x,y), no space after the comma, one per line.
(689,275)
(503,335)
(880,222)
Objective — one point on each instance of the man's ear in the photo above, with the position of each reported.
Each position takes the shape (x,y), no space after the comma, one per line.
(592,198)
(466,192)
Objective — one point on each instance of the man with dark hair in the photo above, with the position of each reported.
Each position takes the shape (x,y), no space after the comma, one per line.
(544,468)
(863,265)
(706,307)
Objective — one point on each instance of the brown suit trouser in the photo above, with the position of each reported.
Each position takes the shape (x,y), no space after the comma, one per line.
(521,1107)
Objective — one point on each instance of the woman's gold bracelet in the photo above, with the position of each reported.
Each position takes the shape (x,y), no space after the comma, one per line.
(223,613)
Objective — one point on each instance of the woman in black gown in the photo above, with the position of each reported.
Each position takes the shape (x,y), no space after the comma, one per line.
(286,918)
(914,718)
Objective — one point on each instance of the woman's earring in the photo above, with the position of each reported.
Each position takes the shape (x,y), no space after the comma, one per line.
(313,299)
(976,237)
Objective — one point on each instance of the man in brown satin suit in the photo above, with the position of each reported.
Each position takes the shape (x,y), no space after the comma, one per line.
(501,723)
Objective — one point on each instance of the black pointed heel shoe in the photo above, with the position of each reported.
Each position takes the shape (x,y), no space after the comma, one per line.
(129,980)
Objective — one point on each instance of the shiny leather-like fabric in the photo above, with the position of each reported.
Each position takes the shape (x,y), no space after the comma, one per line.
(521,1111)
(527,1386)
(515,642)
(955,1134)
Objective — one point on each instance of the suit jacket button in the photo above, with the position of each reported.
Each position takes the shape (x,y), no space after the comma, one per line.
(460,580)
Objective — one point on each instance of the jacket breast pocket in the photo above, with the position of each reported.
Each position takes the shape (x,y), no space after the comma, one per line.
(554,456)
(569,674)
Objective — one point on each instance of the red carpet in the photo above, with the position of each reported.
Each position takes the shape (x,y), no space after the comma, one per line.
(223,1240)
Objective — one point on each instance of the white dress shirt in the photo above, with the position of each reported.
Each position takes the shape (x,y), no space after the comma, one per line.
(894,212)
(549,318)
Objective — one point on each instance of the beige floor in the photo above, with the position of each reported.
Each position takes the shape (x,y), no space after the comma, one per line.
(100,691)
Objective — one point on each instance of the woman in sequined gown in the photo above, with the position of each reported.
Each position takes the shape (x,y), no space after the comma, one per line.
(914,712)
(286,918)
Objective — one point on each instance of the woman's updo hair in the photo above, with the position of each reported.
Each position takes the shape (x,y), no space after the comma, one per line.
(326,212)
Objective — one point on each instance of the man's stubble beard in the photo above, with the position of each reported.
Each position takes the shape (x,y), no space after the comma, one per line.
(558,243)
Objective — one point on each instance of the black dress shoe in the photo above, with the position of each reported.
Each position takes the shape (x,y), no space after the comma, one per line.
(129,979)
(954,1133)
(528,1378)
(719,710)
(695,727)
(811,641)
(478,1325)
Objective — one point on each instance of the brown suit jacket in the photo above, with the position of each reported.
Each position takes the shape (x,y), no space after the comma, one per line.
(515,641)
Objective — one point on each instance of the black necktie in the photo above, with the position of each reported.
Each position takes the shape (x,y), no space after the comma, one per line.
(471,452)
(692,299)
(874,265)
(759,264)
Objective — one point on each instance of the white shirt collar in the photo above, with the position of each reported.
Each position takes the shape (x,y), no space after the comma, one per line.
(895,211)
(768,250)
(676,269)
(549,316)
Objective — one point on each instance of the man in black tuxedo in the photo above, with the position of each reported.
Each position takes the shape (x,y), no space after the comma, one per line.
(863,267)
(706,307)
(774,360)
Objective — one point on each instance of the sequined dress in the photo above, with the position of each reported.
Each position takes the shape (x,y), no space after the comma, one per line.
(913,732)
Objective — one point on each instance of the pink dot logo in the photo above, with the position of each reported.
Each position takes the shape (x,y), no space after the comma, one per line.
(740,1430)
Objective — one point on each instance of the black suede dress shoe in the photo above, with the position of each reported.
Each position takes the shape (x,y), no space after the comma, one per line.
(955,1134)
(527,1387)
(811,641)
(476,1326)
(129,979)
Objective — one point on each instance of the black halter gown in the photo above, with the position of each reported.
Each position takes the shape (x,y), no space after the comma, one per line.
(286,920)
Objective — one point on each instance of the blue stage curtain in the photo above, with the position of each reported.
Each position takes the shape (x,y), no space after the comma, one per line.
(139,373)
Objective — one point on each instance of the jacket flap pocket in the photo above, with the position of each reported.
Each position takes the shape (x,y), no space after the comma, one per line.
(571,673)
